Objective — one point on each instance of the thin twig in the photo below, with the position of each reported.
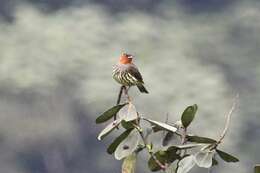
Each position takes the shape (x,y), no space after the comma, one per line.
(184,136)
(126,94)
(228,118)
(119,97)
(184,139)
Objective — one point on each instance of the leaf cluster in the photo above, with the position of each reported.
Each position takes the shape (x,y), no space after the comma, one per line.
(193,149)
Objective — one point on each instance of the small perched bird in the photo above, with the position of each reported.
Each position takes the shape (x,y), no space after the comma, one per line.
(127,74)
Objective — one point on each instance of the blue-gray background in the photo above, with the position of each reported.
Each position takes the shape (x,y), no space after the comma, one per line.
(56,58)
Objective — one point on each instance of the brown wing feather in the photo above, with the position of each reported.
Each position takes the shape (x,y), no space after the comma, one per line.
(133,70)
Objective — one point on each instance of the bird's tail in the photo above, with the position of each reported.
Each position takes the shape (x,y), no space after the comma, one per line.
(142,89)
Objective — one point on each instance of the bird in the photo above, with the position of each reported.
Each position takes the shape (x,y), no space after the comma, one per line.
(127,74)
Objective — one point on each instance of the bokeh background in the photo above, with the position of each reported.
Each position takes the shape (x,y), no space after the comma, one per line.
(56,59)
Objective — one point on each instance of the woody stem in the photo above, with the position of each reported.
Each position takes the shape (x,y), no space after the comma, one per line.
(126,93)
(119,98)
(119,95)
(184,139)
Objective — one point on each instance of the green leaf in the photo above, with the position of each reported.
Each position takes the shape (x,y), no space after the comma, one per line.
(129,164)
(188,115)
(167,156)
(153,166)
(156,128)
(162,125)
(108,129)
(128,124)
(186,164)
(173,149)
(204,158)
(172,155)
(128,145)
(109,113)
(227,157)
(199,139)
(159,155)
(112,147)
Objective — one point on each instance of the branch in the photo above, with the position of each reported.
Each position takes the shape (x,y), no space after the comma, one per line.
(126,94)
(184,139)
(119,95)
(184,136)
(228,118)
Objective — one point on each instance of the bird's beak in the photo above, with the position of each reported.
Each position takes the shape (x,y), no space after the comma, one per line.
(131,57)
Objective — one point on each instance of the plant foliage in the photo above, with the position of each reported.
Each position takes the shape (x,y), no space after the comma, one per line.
(193,149)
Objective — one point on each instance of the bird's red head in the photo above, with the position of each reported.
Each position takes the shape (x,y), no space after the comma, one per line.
(125,59)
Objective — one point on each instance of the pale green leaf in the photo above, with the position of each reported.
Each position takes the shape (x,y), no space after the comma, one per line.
(204,158)
(108,129)
(186,164)
(128,113)
(185,146)
(162,125)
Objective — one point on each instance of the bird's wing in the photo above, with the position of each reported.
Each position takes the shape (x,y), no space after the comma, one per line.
(134,72)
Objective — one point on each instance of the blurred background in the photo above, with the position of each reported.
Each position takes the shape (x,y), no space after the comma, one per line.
(56,59)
